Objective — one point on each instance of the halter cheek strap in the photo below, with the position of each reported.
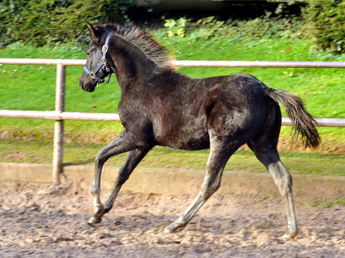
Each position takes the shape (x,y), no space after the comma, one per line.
(101,65)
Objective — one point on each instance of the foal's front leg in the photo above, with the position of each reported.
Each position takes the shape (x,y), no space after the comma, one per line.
(121,144)
(132,160)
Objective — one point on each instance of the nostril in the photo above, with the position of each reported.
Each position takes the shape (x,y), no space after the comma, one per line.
(81,84)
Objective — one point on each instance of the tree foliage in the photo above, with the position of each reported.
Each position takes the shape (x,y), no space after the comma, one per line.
(326,19)
(53,21)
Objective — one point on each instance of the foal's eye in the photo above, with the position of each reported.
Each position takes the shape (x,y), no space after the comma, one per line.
(89,51)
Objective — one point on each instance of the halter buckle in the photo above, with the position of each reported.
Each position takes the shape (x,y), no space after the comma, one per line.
(92,75)
(105,49)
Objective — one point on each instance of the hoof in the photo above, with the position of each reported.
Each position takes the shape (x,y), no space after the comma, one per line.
(290,234)
(99,211)
(172,228)
(97,217)
(94,220)
(168,231)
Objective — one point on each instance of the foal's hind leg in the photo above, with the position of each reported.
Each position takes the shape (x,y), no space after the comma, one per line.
(269,156)
(219,155)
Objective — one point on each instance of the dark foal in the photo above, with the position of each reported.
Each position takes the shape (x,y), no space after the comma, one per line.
(160,106)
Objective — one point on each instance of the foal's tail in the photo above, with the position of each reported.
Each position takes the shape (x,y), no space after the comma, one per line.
(302,121)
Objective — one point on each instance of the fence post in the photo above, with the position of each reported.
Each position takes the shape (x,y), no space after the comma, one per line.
(59,124)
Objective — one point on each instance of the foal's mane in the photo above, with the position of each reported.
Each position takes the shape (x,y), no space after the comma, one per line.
(142,40)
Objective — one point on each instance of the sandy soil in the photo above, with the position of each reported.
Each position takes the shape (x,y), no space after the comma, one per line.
(48,222)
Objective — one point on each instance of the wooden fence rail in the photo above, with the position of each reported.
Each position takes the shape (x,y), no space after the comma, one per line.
(56,115)
(59,115)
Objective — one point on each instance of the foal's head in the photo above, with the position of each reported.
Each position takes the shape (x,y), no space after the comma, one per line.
(97,66)
(130,48)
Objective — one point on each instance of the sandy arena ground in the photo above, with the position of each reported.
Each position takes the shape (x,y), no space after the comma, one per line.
(47,222)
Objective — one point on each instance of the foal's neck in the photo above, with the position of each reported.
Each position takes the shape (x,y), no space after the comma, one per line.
(132,67)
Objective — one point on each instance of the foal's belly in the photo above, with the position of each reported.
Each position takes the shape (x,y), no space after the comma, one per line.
(195,142)
(187,143)
(186,138)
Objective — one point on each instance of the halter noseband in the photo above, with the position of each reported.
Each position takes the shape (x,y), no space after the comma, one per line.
(101,65)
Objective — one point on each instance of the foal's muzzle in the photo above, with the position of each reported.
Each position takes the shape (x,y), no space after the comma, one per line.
(87,86)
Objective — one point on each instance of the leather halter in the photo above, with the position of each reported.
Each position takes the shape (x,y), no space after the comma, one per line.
(101,65)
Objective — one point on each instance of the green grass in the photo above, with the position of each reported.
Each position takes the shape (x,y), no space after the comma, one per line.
(30,87)
(333,203)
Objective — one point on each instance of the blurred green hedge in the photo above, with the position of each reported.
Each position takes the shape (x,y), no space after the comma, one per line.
(51,22)
(56,21)
(326,19)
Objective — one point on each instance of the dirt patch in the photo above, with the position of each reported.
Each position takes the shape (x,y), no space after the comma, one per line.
(51,222)
(326,147)
(15,155)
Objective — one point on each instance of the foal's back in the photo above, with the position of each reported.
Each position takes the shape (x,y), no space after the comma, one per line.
(185,109)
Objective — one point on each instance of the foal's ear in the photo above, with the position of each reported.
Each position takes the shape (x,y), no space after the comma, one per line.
(94,32)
